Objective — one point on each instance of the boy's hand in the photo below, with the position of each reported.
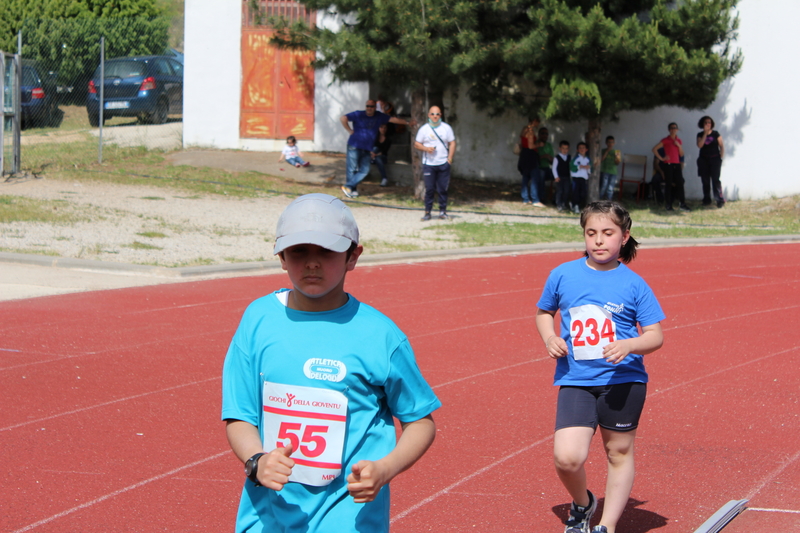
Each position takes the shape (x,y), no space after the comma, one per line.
(616,351)
(366,480)
(556,347)
(275,468)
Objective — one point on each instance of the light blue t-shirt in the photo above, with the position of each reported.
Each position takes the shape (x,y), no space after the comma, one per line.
(621,293)
(354,350)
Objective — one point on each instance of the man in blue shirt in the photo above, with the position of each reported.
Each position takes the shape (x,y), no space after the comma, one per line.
(362,138)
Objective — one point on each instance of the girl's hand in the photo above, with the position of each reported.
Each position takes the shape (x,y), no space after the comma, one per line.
(616,351)
(556,347)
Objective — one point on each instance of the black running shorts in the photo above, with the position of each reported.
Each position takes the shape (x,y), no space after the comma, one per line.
(615,407)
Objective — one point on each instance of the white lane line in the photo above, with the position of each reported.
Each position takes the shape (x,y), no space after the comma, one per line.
(448,489)
(104,404)
(772,475)
(492,371)
(62,514)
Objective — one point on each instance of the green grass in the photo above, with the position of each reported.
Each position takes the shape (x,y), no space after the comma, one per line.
(152,234)
(77,161)
(136,245)
(20,209)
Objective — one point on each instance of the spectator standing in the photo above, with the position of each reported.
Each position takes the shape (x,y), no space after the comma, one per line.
(561,176)
(292,153)
(709,163)
(546,155)
(671,165)
(609,169)
(528,164)
(380,152)
(657,181)
(362,139)
(437,142)
(579,173)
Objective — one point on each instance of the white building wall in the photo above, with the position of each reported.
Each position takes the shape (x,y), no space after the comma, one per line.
(212,73)
(755,112)
(213,77)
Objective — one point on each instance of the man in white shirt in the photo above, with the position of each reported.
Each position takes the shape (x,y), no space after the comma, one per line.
(437,143)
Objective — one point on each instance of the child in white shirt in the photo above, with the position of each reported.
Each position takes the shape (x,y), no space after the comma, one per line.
(292,153)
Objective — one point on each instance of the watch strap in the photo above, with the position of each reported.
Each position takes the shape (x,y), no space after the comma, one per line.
(252,466)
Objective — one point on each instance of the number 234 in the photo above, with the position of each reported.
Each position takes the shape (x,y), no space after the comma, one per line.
(593,332)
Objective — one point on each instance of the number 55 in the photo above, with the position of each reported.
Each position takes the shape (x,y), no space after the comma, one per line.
(287,431)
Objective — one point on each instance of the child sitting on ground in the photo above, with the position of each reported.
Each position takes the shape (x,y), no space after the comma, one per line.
(292,153)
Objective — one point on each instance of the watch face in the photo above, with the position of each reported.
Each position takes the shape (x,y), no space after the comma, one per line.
(249,466)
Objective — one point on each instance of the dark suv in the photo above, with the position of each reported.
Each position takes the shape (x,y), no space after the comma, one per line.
(149,88)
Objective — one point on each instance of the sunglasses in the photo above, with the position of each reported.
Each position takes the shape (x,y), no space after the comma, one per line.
(370,106)
(434,114)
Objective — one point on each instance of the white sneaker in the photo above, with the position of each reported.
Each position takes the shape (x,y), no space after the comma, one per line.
(579,517)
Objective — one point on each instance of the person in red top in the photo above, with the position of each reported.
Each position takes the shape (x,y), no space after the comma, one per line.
(671,165)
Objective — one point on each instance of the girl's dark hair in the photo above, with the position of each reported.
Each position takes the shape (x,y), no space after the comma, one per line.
(700,123)
(621,218)
(291,138)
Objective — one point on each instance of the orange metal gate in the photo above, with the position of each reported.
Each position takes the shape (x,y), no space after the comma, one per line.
(277,85)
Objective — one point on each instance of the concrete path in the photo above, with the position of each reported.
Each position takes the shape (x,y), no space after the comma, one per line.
(29,276)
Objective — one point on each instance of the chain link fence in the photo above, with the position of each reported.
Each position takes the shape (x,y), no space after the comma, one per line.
(99,81)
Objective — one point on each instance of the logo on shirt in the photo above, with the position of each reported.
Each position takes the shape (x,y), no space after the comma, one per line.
(614,308)
(325,369)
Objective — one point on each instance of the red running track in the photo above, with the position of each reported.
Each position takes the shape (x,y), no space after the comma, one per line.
(110,400)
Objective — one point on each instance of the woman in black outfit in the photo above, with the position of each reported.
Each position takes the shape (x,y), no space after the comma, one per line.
(709,164)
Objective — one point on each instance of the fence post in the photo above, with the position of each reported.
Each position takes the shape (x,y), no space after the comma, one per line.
(102,97)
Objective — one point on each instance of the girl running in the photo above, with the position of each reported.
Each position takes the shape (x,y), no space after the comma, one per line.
(599,353)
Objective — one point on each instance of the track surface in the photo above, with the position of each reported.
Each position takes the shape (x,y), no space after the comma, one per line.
(110,400)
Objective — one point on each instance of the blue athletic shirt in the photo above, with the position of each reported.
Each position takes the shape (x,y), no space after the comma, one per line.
(624,294)
(355,350)
(365,128)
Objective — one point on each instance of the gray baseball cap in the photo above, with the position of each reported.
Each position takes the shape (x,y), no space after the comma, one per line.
(318,219)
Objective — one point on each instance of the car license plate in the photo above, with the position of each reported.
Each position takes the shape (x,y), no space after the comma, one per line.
(117,105)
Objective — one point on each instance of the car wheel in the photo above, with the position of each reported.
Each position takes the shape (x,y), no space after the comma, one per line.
(94,120)
(159,116)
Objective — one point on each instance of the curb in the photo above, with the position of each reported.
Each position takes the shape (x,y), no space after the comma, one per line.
(269,267)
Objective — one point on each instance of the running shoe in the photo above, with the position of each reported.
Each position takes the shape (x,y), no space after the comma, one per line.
(426,218)
(384,183)
(538,204)
(350,193)
(599,529)
(684,207)
(579,517)
(443,216)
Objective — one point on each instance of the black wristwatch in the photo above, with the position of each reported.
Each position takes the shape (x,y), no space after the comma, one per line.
(251,468)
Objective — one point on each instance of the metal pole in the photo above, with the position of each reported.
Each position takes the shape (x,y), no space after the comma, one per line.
(17,110)
(17,113)
(2,113)
(102,97)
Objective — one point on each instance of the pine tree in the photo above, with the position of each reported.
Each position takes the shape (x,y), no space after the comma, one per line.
(566,59)
(64,35)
